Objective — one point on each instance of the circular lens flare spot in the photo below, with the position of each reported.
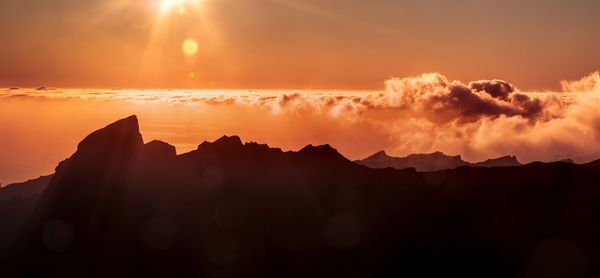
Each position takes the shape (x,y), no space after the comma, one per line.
(190,47)
(192,75)
(181,11)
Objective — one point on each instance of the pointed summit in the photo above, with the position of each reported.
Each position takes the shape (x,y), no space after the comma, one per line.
(122,135)
(379,154)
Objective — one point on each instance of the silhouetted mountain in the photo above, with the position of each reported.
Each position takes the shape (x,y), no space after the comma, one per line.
(16,203)
(504,161)
(567,160)
(422,162)
(24,189)
(431,162)
(595,163)
(118,207)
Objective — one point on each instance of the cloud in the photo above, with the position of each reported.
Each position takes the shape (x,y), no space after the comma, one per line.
(496,88)
(480,120)
(425,113)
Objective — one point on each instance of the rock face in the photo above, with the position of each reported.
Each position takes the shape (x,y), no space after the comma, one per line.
(118,207)
(431,162)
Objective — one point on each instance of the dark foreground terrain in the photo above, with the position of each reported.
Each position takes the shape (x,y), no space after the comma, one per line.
(119,207)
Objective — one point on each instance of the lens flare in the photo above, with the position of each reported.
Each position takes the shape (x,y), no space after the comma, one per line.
(190,47)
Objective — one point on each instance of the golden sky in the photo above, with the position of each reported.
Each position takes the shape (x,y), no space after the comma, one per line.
(479,78)
(293,44)
(419,114)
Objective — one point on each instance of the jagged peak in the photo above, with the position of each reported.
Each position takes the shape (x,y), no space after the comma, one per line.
(381,153)
(124,132)
(256,145)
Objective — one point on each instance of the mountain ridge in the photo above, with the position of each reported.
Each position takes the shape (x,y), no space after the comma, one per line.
(118,207)
(432,161)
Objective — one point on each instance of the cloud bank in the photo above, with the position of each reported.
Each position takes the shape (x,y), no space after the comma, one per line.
(426,113)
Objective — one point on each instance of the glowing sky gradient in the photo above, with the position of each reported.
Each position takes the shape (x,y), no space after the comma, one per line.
(294,44)
(479,78)
(419,114)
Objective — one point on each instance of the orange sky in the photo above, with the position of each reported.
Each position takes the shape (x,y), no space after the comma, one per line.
(294,44)
(418,114)
(363,76)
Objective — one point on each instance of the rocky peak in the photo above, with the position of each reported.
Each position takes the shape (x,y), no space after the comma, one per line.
(122,136)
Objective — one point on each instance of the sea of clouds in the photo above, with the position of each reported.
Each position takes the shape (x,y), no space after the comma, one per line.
(420,114)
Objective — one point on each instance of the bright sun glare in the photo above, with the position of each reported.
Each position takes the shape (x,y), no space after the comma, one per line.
(171,4)
(167,4)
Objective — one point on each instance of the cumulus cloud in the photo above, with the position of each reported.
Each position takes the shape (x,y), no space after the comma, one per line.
(496,88)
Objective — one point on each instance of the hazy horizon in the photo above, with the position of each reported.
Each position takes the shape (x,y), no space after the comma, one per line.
(419,114)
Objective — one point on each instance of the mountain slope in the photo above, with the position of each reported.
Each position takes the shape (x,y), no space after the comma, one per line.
(121,207)
(25,189)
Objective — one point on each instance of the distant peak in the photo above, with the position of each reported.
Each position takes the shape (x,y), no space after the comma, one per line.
(224,141)
(567,160)
(436,154)
(321,150)
(159,149)
(157,142)
(229,140)
(325,147)
(507,160)
(380,153)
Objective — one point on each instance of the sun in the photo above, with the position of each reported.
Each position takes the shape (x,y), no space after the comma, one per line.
(169,4)
(166,5)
